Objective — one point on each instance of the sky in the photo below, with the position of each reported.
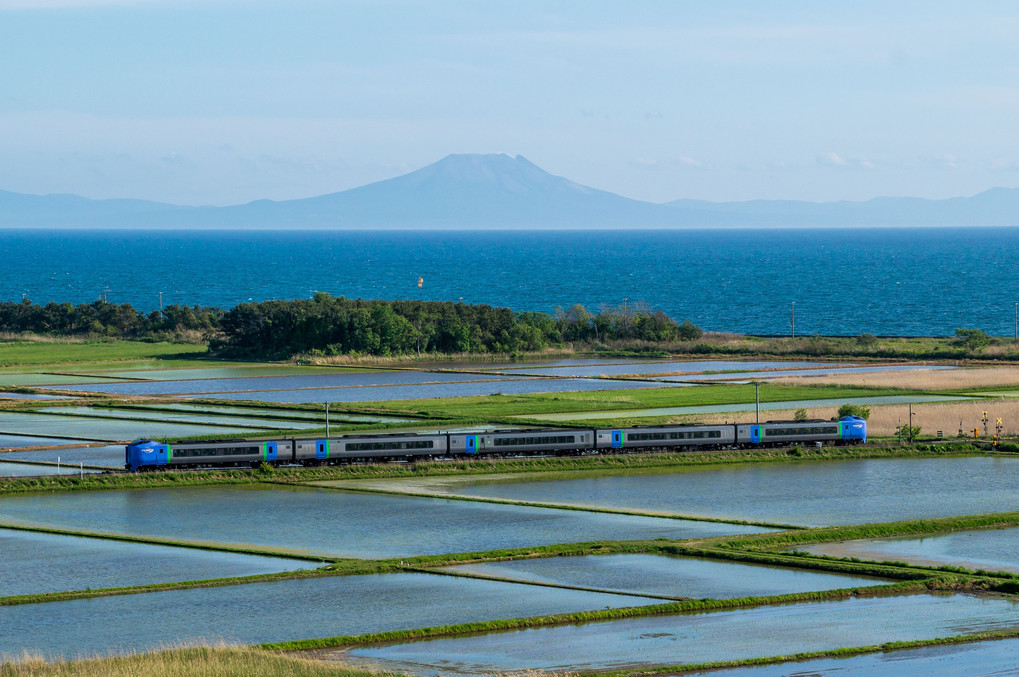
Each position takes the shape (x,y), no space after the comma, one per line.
(215,102)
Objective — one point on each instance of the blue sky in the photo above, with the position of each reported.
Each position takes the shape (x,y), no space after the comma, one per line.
(223,101)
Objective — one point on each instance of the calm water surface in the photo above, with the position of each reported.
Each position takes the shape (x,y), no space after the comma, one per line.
(979,658)
(280,611)
(188,417)
(465,389)
(28,470)
(335,522)
(815,493)
(668,576)
(331,380)
(36,563)
(111,455)
(991,549)
(17,441)
(699,638)
(109,429)
(723,280)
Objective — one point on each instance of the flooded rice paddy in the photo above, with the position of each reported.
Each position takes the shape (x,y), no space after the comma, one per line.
(8,469)
(741,407)
(976,658)
(111,455)
(989,549)
(105,429)
(335,522)
(666,576)
(192,418)
(808,493)
(280,611)
(35,563)
(317,381)
(18,441)
(465,389)
(699,638)
(699,367)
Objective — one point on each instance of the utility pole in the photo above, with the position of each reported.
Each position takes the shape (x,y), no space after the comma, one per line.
(792,320)
(757,399)
(910,423)
(1015,328)
(327,420)
(160,301)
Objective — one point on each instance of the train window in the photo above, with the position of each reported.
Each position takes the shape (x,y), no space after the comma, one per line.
(390,446)
(549,439)
(196,452)
(674,435)
(775,432)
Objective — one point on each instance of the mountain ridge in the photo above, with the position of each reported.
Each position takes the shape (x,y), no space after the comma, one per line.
(473,191)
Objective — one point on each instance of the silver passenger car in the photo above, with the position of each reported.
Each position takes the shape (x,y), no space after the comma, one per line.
(681,436)
(353,447)
(785,432)
(503,442)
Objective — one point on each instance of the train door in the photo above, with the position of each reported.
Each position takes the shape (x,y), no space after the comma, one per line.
(322,449)
(617,439)
(163,454)
(471,446)
(755,434)
(271,452)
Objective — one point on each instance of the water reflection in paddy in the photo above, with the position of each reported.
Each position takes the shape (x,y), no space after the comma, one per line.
(36,563)
(976,658)
(465,389)
(991,549)
(111,455)
(330,380)
(699,638)
(187,417)
(31,470)
(814,493)
(104,429)
(337,523)
(667,576)
(280,611)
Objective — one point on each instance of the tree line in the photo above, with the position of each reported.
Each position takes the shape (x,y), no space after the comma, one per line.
(332,325)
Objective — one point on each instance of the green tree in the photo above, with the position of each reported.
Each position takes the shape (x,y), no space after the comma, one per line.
(854,410)
(800,415)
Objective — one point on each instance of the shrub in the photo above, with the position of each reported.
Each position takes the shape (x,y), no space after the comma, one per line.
(854,410)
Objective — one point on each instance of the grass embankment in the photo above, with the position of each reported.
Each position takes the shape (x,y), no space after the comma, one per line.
(35,353)
(219,661)
(610,464)
(501,407)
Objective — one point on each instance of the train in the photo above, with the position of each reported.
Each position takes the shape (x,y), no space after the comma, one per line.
(145,454)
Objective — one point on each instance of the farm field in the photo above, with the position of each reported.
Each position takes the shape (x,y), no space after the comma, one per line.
(577,553)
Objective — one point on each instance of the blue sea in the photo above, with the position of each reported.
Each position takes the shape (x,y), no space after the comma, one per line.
(890,281)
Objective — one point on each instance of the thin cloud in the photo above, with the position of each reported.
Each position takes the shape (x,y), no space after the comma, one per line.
(830,159)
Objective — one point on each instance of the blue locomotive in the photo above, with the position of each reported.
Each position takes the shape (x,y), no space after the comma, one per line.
(146,454)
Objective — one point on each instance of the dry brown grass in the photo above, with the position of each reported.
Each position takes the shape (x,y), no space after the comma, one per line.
(185,662)
(917,379)
(931,417)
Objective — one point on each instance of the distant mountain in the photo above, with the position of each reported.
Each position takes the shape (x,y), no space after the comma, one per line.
(994,207)
(499,191)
